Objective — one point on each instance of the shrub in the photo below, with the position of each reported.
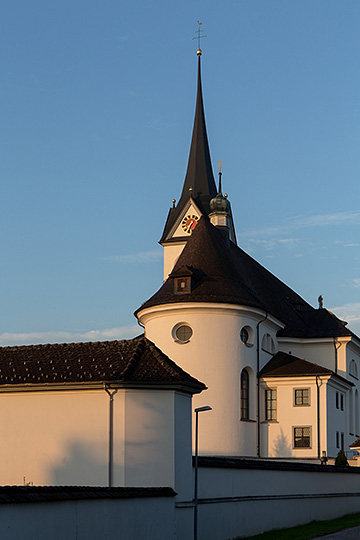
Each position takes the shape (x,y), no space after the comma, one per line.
(341,459)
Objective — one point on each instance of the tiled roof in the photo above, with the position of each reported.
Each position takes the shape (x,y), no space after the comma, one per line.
(128,362)
(355,444)
(287,365)
(226,274)
(43,494)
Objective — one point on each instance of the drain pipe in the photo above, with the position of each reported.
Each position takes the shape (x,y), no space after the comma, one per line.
(336,342)
(258,380)
(111,430)
(318,414)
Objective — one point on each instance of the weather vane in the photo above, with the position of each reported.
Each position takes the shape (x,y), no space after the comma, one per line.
(199,37)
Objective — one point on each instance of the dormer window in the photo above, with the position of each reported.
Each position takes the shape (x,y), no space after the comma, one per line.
(184,279)
(182,285)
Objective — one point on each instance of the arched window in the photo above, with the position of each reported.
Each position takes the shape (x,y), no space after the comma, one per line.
(245,395)
(268,344)
(353,370)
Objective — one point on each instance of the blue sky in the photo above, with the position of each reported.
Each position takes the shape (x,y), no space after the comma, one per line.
(97,104)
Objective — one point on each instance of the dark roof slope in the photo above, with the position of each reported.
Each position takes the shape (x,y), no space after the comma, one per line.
(355,444)
(43,494)
(133,362)
(287,365)
(227,274)
(199,175)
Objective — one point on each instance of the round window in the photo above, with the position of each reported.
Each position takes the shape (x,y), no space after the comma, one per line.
(247,336)
(244,335)
(183,333)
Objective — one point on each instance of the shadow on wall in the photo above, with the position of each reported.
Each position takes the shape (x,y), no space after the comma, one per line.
(81,467)
(282,446)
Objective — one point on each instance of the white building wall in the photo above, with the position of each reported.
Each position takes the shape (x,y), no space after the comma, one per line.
(62,438)
(277,437)
(216,356)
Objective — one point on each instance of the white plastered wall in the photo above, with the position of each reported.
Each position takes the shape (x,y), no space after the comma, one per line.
(216,356)
(277,437)
(62,438)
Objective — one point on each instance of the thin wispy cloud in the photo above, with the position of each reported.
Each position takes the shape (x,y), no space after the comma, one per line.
(300,222)
(349,313)
(356,282)
(141,257)
(35,338)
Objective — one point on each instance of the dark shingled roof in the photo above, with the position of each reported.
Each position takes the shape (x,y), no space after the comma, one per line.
(287,365)
(43,494)
(226,274)
(355,444)
(133,362)
(199,176)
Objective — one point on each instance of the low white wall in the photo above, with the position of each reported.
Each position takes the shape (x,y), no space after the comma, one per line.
(128,519)
(239,502)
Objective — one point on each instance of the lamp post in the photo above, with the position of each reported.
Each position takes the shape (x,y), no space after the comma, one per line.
(199,409)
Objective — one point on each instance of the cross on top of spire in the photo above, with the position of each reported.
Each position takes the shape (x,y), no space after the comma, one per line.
(199,37)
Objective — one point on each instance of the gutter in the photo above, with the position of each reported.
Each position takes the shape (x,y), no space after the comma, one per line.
(111,431)
(318,414)
(335,341)
(258,381)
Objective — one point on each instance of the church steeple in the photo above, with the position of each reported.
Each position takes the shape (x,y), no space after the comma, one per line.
(199,183)
(198,190)
(199,174)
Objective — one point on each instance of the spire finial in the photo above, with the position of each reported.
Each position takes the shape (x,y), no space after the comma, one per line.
(220,175)
(198,37)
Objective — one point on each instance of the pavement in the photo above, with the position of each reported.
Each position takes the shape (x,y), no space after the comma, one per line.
(346,534)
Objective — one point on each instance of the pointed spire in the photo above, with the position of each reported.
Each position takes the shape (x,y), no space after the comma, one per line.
(199,181)
(199,175)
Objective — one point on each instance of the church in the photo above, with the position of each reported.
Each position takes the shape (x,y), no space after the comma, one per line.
(281,377)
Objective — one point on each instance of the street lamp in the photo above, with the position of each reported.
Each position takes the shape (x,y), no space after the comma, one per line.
(199,409)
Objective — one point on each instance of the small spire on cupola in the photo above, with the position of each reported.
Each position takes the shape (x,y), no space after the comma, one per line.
(219,204)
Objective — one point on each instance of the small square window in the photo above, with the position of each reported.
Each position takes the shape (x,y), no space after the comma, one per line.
(302,397)
(182,285)
(302,437)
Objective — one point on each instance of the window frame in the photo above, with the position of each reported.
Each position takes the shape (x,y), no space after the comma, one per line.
(270,411)
(302,404)
(309,437)
(244,395)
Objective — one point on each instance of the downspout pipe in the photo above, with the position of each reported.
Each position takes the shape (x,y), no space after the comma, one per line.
(337,346)
(111,432)
(318,414)
(258,381)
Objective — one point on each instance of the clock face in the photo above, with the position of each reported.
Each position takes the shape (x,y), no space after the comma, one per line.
(189,223)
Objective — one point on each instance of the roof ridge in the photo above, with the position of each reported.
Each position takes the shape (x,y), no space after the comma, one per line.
(134,360)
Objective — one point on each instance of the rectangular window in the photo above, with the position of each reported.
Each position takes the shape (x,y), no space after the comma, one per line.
(302,397)
(270,404)
(302,437)
(337,440)
(342,401)
(337,400)
(342,441)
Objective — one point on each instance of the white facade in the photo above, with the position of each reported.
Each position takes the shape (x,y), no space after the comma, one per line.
(62,437)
